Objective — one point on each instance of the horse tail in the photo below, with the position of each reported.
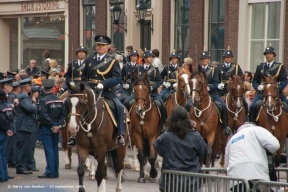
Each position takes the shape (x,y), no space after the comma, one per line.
(112,157)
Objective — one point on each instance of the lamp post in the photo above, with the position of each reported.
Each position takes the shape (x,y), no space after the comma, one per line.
(141,11)
(115,12)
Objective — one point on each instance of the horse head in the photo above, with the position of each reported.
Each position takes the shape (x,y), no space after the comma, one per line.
(198,86)
(183,82)
(141,92)
(236,89)
(271,92)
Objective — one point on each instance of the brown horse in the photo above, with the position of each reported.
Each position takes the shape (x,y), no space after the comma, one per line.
(145,122)
(204,113)
(179,98)
(272,115)
(89,117)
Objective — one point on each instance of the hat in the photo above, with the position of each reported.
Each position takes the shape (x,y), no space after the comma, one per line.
(8,81)
(270,49)
(35,88)
(2,92)
(10,74)
(81,48)
(204,55)
(48,83)
(174,55)
(227,53)
(148,53)
(15,84)
(43,73)
(133,52)
(102,39)
(26,81)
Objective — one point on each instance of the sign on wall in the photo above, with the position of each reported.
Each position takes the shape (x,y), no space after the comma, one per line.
(37,6)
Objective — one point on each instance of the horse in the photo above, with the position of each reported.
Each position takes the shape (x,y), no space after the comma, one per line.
(204,113)
(272,115)
(89,116)
(145,121)
(179,98)
(235,108)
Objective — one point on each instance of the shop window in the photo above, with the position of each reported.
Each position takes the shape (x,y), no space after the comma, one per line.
(89,25)
(147,2)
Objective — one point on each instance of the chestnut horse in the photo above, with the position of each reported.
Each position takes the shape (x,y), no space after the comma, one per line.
(179,98)
(272,116)
(145,122)
(204,113)
(89,117)
(235,108)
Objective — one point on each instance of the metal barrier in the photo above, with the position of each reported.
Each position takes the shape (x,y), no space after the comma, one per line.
(265,186)
(214,170)
(177,181)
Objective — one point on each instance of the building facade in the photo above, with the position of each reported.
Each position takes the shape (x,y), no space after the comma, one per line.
(186,26)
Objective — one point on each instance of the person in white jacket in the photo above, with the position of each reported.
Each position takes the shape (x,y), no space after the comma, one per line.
(245,153)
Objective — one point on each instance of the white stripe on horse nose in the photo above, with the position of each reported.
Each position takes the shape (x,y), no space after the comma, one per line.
(72,122)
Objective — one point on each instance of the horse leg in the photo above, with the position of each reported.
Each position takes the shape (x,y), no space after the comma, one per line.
(101,182)
(121,153)
(88,163)
(127,162)
(215,146)
(94,165)
(141,158)
(152,159)
(67,161)
(224,139)
(82,154)
(279,151)
(210,141)
(136,166)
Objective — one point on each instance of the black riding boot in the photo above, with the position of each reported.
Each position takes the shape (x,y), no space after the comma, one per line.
(71,141)
(251,117)
(227,130)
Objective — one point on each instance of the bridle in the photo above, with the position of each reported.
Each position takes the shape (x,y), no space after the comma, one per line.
(275,97)
(144,100)
(233,97)
(196,90)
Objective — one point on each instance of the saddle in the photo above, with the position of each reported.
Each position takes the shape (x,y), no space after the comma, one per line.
(219,109)
(158,105)
(168,95)
(111,108)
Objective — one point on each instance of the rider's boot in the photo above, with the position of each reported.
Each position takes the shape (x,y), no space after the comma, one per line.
(227,130)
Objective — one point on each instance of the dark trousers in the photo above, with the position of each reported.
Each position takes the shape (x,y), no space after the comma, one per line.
(30,161)
(23,146)
(10,150)
(3,162)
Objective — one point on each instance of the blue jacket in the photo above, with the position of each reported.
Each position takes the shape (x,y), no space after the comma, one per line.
(262,68)
(76,73)
(127,72)
(6,117)
(109,75)
(26,114)
(169,75)
(212,79)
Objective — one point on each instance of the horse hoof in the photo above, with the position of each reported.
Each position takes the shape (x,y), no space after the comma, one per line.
(152,179)
(141,180)
(67,166)
(92,177)
(81,190)
(146,177)
(118,190)
(88,168)
(136,168)
(127,166)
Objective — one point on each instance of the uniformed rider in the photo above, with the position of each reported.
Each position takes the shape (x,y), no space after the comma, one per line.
(212,77)
(127,72)
(168,74)
(272,68)
(155,83)
(103,72)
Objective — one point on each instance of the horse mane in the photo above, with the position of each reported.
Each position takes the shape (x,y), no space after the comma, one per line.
(141,78)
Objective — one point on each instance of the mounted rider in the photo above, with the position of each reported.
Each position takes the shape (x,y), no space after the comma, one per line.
(169,74)
(155,82)
(270,68)
(127,71)
(212,78)
(103,73)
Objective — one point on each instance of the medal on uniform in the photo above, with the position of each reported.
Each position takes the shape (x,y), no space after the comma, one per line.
(105,60)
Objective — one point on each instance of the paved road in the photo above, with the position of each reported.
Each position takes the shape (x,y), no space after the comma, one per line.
(68,179)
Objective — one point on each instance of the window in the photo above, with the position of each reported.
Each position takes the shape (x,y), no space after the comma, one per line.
(216,29)
(265,22)
(118,30)
(182,30)
(89,25)
(147,2)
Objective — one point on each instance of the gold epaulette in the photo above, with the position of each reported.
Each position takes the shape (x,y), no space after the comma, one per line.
(107,71)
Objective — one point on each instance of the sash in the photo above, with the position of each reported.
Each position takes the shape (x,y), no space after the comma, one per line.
(102,63)
(230,70)
(208,72)
(272,69)
(150,70)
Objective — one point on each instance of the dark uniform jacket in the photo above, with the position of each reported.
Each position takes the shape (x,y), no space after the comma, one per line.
(26,114)
(169,75)
(6,117)
(262,68)
(109,74)
(234,69)
(76,73)
(127,72)
(52,110)
(154,78)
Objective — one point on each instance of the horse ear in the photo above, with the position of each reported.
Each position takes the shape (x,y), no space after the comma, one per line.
(199,69)
(135,75)
(82,87)
(243,77)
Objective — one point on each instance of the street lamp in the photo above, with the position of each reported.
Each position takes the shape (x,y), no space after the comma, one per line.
(141,12)
(116,12)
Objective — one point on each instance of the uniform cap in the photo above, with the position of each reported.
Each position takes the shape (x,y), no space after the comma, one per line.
(134,52)
(2,92)
(15,84)
(10,74)
(43,73)
(26,81)
(48,83)
(205,55)
(81,48)
(8,81)
(270,49)
(227,53)
(35,88)
(102,39)
(148,53)
(174,55)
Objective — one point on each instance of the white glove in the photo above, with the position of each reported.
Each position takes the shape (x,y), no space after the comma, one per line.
(221,86)
(175,85)
(126,86)
(167,84)
(151,88)
(208,88)
(260,88)
(100,86)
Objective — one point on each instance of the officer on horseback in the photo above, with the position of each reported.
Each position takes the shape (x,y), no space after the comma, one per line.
(270,68)
(127,71)
(155,82)
(169,74)
(212,77)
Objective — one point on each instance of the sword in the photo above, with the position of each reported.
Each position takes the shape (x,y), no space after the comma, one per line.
(196,55)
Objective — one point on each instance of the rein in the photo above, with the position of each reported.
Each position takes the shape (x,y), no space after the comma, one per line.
(142,115)
(182,91)
(235,113)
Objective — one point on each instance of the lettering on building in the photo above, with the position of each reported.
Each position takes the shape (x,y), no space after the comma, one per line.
(42,5)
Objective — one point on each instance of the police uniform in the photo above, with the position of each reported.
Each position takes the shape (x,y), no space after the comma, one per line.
(271,70)
(26,124)
(169,75)
(212,78)
(103,72)
(127,71)
(74,71)
(155,82)
(52,114)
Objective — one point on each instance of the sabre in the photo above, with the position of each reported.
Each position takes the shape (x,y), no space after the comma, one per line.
(196,55)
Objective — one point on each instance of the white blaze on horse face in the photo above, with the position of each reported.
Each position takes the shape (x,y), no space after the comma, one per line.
(185,77)
(73,123)
(140,86)
(238,103)
(269,97)
(194,82)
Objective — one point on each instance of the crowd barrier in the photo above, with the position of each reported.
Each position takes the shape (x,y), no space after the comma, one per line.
(265,186)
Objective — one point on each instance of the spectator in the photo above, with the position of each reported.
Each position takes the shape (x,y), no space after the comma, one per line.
(248,76)
(46,58)
(247,86)
(22,72)
(140,51)
(32,69)
(120,60)
(188,64)
(285,91)
(62,72)
(185,146)
(157,62)
(128,49)
(237,158)
(53,67)
(59,83)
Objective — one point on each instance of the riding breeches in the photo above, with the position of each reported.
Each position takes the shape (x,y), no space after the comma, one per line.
(120,118)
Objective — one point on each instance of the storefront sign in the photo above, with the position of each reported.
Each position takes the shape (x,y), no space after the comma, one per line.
(42,5)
